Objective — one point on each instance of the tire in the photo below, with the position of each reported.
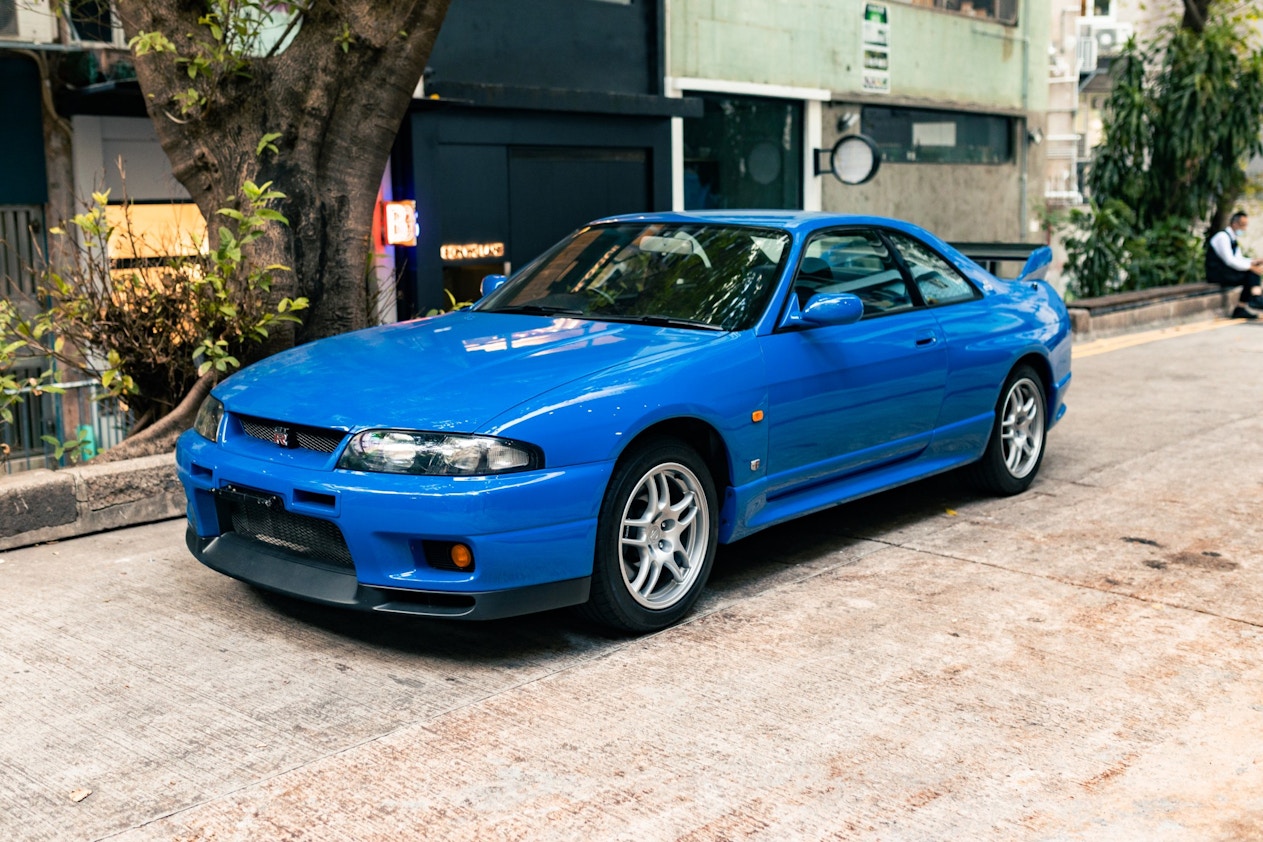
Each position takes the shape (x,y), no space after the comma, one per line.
(656,537)
(1015,450)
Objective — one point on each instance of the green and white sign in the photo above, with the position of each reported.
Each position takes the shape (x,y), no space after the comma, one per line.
(875,46)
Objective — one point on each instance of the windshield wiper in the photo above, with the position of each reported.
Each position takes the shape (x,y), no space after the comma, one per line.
(538,310)
(661,321)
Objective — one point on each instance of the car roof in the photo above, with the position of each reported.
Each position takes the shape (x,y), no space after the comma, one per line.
(789,220)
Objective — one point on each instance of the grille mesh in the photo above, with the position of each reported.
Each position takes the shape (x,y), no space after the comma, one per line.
(307,537)
(308,438)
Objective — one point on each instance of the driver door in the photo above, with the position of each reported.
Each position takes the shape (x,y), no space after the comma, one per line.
(848,398)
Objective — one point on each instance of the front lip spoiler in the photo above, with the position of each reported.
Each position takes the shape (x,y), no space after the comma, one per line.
(273,569)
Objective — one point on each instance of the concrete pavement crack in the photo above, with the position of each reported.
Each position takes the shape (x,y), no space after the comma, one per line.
(1063,581)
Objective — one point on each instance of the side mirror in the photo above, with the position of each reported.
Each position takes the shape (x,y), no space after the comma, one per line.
(491,283)
(833,308)
(825,309)
(1037,264)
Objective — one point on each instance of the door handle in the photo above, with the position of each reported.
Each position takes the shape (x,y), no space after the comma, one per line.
(929,337)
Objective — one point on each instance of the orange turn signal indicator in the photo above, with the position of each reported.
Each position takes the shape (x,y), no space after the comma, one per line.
(461,556)
(756,416)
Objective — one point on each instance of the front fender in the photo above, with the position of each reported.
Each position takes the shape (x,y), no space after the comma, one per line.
(594,419)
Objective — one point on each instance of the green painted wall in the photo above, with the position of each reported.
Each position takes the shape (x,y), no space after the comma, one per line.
(934,55)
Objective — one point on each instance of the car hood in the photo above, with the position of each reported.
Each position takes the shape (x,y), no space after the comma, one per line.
(454,372)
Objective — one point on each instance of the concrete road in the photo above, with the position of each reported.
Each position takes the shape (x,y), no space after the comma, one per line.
(1084,661)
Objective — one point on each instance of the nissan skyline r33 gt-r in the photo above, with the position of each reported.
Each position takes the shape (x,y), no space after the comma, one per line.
(594,427)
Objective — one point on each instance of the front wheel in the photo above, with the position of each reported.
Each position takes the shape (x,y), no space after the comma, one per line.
(1016,448)
(656,537)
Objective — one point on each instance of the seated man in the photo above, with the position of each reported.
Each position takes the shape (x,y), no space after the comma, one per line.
(1225,265)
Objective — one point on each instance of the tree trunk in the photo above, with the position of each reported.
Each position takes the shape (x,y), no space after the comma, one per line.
(336,95)
(337,111)
(1195,12)
(160,436)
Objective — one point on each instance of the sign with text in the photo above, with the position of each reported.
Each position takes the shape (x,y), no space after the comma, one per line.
(875,58)
(471,251)
(401,223)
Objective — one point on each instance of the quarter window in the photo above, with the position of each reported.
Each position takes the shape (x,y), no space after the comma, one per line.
(936,279)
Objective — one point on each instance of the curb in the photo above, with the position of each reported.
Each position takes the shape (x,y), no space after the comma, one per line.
(1120,313)
(42,505)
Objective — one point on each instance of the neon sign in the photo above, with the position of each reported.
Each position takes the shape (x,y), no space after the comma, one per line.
(471,251)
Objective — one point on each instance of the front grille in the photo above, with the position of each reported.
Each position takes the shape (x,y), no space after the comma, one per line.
(307,438)
(264,519)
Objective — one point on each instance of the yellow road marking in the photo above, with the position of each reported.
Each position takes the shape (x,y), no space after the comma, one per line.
(1130,340)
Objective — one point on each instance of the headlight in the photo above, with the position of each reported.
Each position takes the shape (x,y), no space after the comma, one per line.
(437,454)
(208,418)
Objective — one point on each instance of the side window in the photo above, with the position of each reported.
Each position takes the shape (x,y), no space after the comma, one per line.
(938,280)
(857,262)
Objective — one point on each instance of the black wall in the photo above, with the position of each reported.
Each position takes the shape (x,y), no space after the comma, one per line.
(568,44)
(525,179)
(23,179)
(546,114)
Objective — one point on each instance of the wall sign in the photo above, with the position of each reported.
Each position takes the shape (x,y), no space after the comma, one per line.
(401,223)
(875,46)
(471,251)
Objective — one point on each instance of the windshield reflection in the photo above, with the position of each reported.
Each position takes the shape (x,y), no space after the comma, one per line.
(672,274)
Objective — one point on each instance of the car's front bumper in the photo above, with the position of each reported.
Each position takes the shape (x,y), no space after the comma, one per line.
(275,570)
(532,535)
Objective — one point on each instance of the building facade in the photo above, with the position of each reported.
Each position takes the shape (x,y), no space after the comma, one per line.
(526,126)
(953,92)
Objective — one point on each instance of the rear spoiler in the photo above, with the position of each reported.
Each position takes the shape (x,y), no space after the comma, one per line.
(1036,258)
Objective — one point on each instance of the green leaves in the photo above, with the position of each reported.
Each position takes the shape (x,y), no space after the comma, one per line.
(228,39)
(267,143)
(1181,122)
(73,449)
(151,42)
(146,334)
(345,39)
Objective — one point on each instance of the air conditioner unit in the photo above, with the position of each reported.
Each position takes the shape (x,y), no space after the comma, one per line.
(1086,54)
(1110,35)
(27,22)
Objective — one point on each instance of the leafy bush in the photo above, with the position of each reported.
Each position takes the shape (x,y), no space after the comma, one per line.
(148,332)
(1183,118)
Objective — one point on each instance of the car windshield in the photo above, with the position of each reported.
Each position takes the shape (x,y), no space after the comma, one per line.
(716,277)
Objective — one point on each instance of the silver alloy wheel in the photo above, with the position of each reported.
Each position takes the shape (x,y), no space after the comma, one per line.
(1022,428)
(664,535)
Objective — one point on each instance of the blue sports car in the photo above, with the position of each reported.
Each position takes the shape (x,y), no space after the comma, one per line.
(595,426)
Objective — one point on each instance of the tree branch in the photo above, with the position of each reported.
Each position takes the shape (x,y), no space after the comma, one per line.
(1194,16)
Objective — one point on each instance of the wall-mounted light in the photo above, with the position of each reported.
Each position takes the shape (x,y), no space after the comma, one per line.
(1035,136)
(854,159)
(401,223)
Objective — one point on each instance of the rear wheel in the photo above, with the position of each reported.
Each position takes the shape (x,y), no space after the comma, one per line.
(1016,448)
(656,538)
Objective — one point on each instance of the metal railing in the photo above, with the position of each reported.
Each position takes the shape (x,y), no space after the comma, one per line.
(21,238)
(78,413)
